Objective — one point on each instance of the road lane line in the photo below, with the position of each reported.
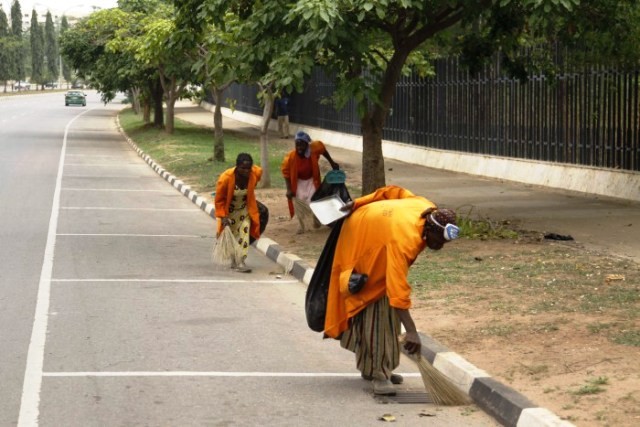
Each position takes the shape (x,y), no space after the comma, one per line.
(135,235)
(106,165)
(127,209)
(211,374)
(171,191)
(31,388)
(108,176)
(272,282)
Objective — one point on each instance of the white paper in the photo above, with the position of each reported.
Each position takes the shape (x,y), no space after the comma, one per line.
(328,210)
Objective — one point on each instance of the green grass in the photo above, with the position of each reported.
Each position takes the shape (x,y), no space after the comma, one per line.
(593,386)
(187,153)
(544,279)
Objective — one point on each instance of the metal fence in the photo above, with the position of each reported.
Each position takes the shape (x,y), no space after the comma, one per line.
(590,118)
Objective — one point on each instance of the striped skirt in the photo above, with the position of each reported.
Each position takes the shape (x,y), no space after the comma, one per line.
(373,337)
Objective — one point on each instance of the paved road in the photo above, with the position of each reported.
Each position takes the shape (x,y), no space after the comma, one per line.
(112,314)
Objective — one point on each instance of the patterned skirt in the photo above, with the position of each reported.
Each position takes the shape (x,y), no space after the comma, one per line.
(373,337)
(240,221)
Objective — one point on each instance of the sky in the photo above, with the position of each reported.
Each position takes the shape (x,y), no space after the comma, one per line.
(69,8)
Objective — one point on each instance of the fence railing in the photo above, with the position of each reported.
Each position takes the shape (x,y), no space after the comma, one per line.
(590,118)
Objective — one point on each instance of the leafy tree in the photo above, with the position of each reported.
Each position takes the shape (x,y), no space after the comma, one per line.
(261,40)
(37,50)
(368,45)
(51,49)
(85,47)
(153,48)
(18,57)
(5,49)
(66,71)
(216,65)
(128,41)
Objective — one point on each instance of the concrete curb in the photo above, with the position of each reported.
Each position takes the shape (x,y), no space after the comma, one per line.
(506,405)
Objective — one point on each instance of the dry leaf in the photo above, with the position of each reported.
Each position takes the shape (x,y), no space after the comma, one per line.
(614,278)
(388,418)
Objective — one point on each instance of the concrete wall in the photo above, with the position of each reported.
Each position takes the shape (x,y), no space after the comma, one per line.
(606,182)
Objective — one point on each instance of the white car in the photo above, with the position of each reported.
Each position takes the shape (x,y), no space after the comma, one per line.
(22,86)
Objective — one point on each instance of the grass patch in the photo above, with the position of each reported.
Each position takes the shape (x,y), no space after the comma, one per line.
(593,386)
(188,152)
(630,338)
(483,229)
(498,330)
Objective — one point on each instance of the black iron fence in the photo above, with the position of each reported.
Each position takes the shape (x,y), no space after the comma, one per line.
(591,117)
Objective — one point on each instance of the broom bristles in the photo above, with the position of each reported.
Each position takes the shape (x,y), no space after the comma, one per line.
(225,251)
(438,386)
(302,209)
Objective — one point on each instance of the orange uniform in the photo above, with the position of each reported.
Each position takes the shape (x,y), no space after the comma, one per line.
(289,168)
(381,238)
(224,194)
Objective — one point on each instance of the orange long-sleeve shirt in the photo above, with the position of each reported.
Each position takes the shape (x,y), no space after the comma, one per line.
(381,238)
(224,194)
(289,168)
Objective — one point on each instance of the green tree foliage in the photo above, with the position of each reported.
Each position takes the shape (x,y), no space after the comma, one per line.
(66,70)
(37,50)
(213,51)
(261,40)
(5,49)
(18,52)
(368,45)
(51,50)
(84,48)
(152,46)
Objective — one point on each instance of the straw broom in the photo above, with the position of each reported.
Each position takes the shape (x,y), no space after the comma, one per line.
(438,386)
(303,211)
(225,250)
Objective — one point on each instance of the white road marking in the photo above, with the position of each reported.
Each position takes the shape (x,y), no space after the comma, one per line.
(107,176)
(135,235)
(272,282)
(171,191)
(210,374)
(88,208)
(110,165)
(30,401)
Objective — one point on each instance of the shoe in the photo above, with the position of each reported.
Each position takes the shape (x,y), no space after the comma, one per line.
(383,388)
(395,378)
(242,268)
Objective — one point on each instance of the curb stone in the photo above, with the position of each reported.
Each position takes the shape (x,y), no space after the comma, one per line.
(507,406)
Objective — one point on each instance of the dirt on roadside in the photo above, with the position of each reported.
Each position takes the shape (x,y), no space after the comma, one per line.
(556,321)
(540,316)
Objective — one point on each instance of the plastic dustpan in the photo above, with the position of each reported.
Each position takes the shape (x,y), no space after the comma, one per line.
(327,209)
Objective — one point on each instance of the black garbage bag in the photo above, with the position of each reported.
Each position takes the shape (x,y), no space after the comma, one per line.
(333,183)
(316,299)
(263,213)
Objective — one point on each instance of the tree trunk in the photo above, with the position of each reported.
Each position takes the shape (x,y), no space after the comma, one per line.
(135,99)
(170,120)
(157,94)
(264,138)
(373,173)
(146,112)
(218,131)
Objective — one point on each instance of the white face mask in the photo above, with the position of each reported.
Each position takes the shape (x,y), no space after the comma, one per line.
(449,231)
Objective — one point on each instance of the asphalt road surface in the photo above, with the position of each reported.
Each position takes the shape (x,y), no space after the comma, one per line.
(112,314)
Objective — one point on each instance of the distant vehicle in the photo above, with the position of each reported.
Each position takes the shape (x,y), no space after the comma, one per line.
(51,85)
(75,97)
(77,85)
(22,86)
